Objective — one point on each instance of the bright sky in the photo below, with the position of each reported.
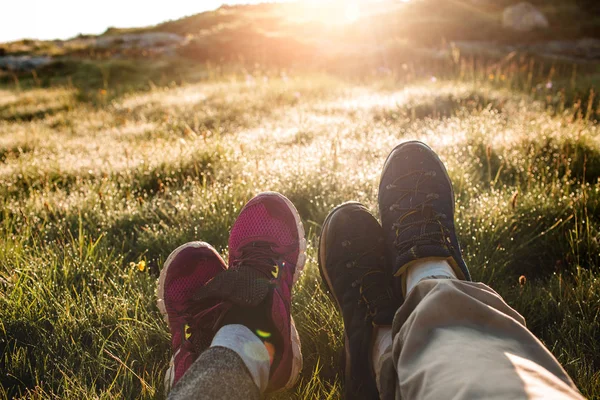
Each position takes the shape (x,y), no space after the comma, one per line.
(62,19)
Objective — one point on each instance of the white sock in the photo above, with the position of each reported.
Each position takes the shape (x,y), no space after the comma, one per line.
(251,350)
(428,269)
(383,341)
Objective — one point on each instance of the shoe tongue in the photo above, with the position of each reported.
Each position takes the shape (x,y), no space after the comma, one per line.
(245,287)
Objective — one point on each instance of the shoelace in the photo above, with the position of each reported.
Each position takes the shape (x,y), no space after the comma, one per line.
(424,209)
(261,256)
(203,323)
(370,281)
(201,319)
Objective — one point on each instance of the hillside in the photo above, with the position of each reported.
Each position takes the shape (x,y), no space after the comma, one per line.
(421,38)
(322,33)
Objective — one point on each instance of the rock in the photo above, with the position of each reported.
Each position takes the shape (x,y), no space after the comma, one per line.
(151,40)
(487,48)
(524,17)
(23,63)
(582,49)
(156,43)
(588,48)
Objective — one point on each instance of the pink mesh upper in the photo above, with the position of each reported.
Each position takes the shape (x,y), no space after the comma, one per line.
(189,271)
(182,286)
(256,222)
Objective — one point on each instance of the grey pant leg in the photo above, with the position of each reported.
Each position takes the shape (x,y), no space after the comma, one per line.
(218,373)
(460,340)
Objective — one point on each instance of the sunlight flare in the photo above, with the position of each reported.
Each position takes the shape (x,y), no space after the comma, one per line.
(331,12)
(352,11)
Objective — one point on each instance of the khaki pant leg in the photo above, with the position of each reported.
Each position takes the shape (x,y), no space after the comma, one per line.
(460,340)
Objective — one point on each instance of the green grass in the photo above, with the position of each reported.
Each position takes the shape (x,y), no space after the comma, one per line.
(90,187)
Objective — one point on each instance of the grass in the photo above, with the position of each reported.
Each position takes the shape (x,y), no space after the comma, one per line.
(92,183)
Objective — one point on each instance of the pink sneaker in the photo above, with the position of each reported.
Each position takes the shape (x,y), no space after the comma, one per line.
(267,250)
(192,323)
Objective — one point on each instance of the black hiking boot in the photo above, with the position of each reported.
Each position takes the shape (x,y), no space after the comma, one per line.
(353,265)
(416,203)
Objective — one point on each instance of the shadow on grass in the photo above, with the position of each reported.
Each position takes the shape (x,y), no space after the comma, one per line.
(14,151)
(439,107)
(27,115)
(142,181)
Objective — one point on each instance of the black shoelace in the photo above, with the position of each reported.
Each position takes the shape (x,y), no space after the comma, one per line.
(432,229)
(258,255)
(371,278)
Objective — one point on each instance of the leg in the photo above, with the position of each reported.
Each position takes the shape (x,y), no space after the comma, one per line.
(218,373)
(460,337)
(451,338)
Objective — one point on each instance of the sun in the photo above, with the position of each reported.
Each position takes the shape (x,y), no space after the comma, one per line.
(330,12)
(338,12)
(352,11)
